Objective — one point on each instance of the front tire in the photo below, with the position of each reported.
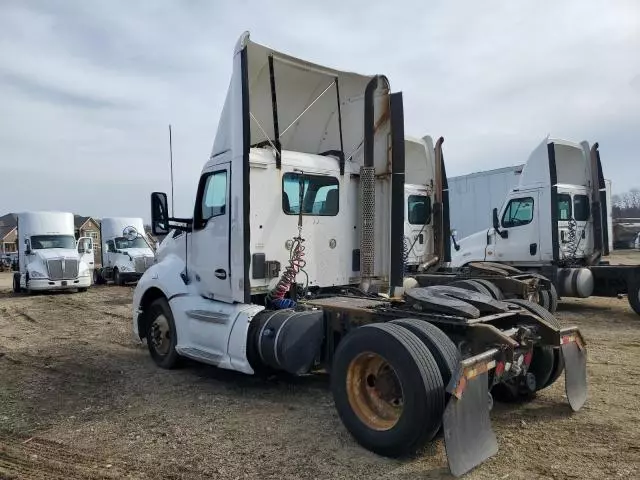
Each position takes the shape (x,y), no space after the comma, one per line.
(387,389)
(161,334)
(82,289)
(16,283)
(117,278)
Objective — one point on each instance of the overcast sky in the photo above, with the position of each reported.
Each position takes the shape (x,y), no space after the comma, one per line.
(87,87)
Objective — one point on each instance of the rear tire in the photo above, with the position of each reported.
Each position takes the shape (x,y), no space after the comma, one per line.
(161,334)
(554,299)
(495,291)
(366,400)
(97,277)
(558,362)
(633,295)
(472,285)
(444,351)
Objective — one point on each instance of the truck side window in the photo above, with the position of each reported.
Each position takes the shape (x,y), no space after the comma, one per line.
(111,246)
(564,206)
(519,211)
(214,198)
(581,208)
(320,194)
(419,209)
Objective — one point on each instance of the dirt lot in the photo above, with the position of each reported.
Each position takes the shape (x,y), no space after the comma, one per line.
(79,398)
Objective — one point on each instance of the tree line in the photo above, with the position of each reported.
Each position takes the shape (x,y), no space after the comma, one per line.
(626,205)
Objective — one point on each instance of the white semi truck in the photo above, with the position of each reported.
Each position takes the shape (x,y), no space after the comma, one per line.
(293,261)
(427,237)
(126,253)
(49,258)
(555,223)
(473,197)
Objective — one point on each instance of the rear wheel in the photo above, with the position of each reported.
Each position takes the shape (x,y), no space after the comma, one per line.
(558,363)
(553,293)
(161,334)
(97,277)
(492,287)
(444,351)
(472,285)
(633,295)
(387,389)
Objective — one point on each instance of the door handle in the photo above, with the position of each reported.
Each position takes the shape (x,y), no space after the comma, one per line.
(221,274)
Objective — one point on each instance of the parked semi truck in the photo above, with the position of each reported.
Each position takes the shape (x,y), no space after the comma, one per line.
(49,258)
(126,253)
(555,223)
(293,261)
(473,197)
(427,237)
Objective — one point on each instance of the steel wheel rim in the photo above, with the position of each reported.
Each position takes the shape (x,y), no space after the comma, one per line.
(161,335)
(374,391)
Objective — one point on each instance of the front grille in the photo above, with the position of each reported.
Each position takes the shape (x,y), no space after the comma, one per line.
(142,263)
(62,269)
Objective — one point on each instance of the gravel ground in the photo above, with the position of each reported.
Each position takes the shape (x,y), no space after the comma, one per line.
(80,398)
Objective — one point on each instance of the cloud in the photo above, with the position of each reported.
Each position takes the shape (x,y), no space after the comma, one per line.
(87,89)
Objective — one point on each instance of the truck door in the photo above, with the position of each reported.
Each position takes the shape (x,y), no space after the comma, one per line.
(584,224)
(418,229)
(85,251)
(519,242)
(208,259)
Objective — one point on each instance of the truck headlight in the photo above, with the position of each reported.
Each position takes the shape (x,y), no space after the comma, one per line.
(36,274)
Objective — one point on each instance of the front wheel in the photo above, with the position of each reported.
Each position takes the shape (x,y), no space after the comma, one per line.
(117,278)
(16,283)
(161,334)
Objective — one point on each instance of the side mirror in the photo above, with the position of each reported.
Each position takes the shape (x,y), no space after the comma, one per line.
(27,247)
(496,221)
(159,213)
(496,225)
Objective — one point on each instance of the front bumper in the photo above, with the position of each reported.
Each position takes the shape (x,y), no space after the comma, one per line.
(43,284)
(130,276)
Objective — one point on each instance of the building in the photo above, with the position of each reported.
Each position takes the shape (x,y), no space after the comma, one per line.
(8,234)
(90,227)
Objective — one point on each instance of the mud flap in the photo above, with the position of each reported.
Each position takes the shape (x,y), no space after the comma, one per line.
(469,439)
(574,355)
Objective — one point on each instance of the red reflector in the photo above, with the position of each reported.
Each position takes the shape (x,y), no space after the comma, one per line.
(527,358)
(499,368)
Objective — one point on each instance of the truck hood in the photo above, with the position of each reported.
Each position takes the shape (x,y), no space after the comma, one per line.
(52,253)
(472,249)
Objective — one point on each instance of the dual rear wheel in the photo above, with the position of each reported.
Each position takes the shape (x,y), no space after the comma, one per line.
(388,382)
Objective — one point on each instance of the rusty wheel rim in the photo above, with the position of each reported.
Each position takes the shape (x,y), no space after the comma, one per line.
(374,391)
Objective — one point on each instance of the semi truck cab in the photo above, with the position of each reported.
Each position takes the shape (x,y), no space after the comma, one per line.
(49,258)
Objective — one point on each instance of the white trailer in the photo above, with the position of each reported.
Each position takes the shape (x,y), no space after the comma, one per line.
(556,222)
(293,262)
(49,258)
(126,252)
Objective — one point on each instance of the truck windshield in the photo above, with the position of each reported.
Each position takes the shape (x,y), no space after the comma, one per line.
(419,209)
(122,243)
(41,242)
